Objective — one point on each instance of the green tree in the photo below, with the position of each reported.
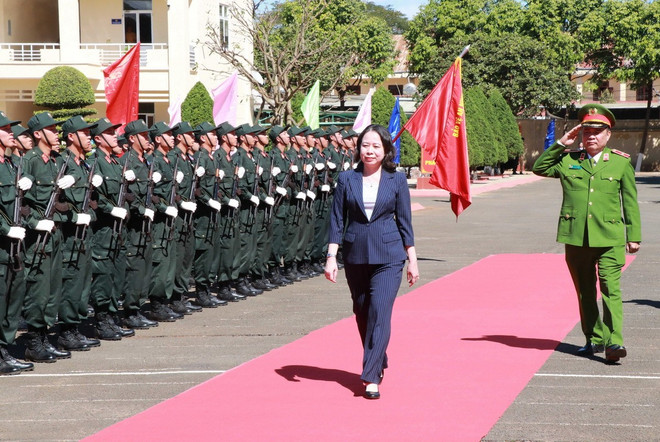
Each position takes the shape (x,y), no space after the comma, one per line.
(198,105)
(397,22)
(506,125)
(623,41)
(65,91)
(300,41)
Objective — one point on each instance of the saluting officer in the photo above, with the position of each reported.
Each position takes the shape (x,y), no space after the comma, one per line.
(12,233)
(598,223)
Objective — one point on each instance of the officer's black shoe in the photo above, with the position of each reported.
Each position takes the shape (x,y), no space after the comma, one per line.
(189,305)
(615,352)
(58,353)
(259,285)
(10,360)
(204,300)
(225,294)
(590,349)
(69,341)
(252,288)
(160,313)
(178,306)
(6,369)
(216,300)
(134,322)
(35,351)
(91,342)
(104,329)
(145,321)
(268,284)
(291,274)
(115,324)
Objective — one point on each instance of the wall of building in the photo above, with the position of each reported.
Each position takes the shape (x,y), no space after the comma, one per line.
(626,136)
(32,21)
(96,21)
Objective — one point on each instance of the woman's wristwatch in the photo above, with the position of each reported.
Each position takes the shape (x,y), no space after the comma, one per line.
(331,255)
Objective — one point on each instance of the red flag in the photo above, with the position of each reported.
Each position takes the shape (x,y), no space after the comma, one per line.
(438,125)
(122,87)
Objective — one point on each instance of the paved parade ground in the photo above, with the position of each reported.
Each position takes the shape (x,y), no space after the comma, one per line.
(569,398)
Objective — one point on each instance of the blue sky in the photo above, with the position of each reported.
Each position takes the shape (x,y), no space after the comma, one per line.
(408,7)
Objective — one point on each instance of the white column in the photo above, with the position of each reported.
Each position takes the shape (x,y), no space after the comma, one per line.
(68,12)
(622,91)
(178,48)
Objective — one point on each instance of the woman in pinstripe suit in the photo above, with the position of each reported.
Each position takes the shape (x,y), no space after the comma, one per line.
(373,202)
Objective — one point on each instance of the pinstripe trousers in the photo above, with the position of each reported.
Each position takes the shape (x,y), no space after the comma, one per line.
(373,290)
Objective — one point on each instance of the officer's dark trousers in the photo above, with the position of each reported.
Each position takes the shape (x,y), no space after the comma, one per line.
(373,290)
(279,236)
(248,238)
(108,270)
(76,275)
(184,257)
(12,294)
(204,236)
(43,275)
(138,267)
(163,259)
(228,244)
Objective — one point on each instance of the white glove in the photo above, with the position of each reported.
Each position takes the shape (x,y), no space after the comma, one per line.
(129,175)
(24,183)
(171,211)
(254,199)
(179,176)
(66,181)
(276,171)
(149,213)
(118,212)
(355,165)
(260,170)
(346,165)
(156,177)
(97,180)
(45,225)
(332,165)
(200,171)
(319,166)
(308,168)
(269,200)
(215,205)
(293,168)
(83,219)
(233,203)
(280,190)
(16,233)
(241,172)
(221,174)
(188,206)
(325,188)
(311,195)
(301,196)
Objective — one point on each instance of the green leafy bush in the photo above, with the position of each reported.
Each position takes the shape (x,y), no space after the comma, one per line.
(198,105)
(64,87)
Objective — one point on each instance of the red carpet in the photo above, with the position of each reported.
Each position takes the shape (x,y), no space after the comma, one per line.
(462,349)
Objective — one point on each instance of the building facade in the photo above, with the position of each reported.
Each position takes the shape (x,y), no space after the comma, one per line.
(89,35)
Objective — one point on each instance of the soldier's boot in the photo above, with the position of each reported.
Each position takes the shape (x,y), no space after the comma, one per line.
(259,284)
(203,299)
(59,354)
(159,312)
(68,340)
(225,294)
(91,342)
(242,288)
(103,328)
(115,323)
(5,367)
(35,351)
(10,360)
(189,305)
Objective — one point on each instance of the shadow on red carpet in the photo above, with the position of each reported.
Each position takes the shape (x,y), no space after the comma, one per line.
(462,348)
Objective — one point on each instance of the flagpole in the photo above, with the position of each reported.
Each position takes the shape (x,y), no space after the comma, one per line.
(463,52)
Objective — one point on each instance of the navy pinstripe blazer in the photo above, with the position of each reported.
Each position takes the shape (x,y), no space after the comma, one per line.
(382,239)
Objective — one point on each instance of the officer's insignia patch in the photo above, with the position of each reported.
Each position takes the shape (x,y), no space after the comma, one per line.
(45,157)
(606,157)
(108,159)
(623,154)
(582,156)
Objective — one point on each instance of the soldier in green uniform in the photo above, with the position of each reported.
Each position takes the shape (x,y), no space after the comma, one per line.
(227,249)
(306,219)
(12,234)
(24,141)
(165,193)
(207,217)
(76,260)
(598,223)
(138,226)
(108,231)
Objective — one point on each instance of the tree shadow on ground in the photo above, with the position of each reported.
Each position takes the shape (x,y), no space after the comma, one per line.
(350,381)
(649,302)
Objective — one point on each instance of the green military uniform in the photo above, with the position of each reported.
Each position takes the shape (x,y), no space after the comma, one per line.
(594,230)
(282,198)
(263,223)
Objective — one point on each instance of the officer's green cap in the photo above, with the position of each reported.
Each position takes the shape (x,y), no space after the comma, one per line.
(74,124)
(352,133)
(257,129)
(275,131)
(295,130)
(319,133)
(135,127)
(42,120)
(5,121)
(596,115)
(158,129)
(102,125)
(307,130)
(332,129)
(224,129)
(344,134)
(204,128)
(245,129)
(19,130)
(182,128)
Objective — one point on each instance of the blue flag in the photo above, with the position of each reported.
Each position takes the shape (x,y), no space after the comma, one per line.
(394,127)
(550,134)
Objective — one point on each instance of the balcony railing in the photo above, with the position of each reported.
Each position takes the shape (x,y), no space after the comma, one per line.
(21,52)
(108,53)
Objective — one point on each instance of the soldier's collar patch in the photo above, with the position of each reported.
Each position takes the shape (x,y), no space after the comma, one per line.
(606,157)
(582,156)
(2,159)
(45,157)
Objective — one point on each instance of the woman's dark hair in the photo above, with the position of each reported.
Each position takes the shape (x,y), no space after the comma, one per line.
(388,147)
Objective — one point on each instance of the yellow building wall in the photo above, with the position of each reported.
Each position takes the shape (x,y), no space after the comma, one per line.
(96,21)
(32,21)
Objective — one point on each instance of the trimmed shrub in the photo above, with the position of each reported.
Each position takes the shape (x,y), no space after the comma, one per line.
(198,105)
(64,87)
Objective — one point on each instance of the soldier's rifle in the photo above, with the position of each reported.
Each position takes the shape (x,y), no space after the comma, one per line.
(269,193)
(252,213)
(81,230)
(300,205)
(233,212)
(15,248)
(174,190)
(188,216)
(42,239)
(118,223)
(148,201)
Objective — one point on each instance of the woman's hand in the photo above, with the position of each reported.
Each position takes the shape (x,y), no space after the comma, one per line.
(413,273)
(331,269)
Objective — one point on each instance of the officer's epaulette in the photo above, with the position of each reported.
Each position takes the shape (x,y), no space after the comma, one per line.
(623,154)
